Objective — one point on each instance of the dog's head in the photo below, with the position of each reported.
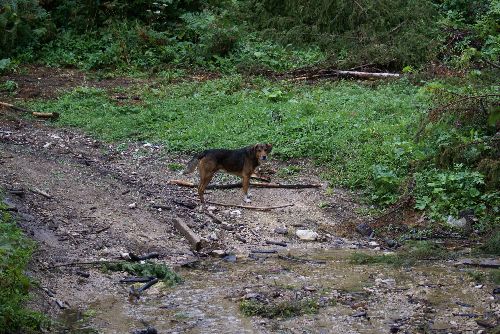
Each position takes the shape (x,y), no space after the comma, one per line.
(262,150)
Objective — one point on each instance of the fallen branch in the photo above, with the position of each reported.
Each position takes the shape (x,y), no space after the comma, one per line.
(263,251)
(349,74)
(13,107)
(51,115)
(40,192)
(137,279)
(188,184)
(137,293)
(47,115)
(277,243)
(260,208)
(152,255)
(192,237)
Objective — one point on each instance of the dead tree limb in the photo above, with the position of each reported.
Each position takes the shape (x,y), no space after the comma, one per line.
(259,208)
(188,184)
(47,115)
(50,115)
(40,192)
(192,237)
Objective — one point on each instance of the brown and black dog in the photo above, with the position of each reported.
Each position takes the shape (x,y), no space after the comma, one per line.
(241,162)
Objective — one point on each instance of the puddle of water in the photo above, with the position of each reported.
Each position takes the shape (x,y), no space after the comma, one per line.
(207,302)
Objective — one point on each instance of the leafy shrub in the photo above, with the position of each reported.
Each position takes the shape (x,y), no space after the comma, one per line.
(385,185)
(446,192)
(384,32)
(23,25)
(15,252)
(283,309)
(148,269)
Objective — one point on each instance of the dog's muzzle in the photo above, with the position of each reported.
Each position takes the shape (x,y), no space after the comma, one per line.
(263,157)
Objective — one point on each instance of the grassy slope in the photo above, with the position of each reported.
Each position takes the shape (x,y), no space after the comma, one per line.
(15,252)
(347,125)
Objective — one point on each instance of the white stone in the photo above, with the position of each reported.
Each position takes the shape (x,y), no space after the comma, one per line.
(306,235)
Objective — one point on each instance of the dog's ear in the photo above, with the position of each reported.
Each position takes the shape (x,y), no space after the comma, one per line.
(269,148)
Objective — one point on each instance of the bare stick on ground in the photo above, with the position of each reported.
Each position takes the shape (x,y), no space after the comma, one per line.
(188,184)
(50,115)
(260,208)
(40,192)
(192,237)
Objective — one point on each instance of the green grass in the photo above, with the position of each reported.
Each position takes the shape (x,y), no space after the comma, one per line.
(348,126)
(15,252)
(158,270)
(284,309)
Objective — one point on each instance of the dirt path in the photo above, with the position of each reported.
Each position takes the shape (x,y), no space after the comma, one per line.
(88,218)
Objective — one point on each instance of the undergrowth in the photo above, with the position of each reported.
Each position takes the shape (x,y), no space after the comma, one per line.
(147,269)
(282,309)
(408,255)
(348,126)
(15,252)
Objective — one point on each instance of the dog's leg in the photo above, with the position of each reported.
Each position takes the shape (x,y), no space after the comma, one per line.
(246,184)
(205,178)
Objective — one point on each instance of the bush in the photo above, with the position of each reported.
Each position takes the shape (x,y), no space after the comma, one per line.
(15,252)
(389,33)
(23,25)
(447,192)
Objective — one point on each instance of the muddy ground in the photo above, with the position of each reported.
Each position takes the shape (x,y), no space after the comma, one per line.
(100,205)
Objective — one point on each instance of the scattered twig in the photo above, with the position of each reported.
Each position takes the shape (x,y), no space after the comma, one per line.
(51,115)
(152,255)
(47,115)
(192,237)
(137,279)
(213,217)
(188,184)
(102,229)
(278,243)
(137,293)
(264,251)
(189,205)
(40,192)
(260,208)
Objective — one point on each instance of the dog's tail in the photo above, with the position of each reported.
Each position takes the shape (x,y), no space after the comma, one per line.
(192,164)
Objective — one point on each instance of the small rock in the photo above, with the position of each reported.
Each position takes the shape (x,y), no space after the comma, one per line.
(132,205)
(47,145)
(213,236)
(281,230)
(460,223)
(479,286)
(307,235)
(496,291)
(147,145)
(251,295)
(125,256)
(364,229)
(389,282)
(394,328)
(230,258)
(391,243)
(373,243)
(309,288)
(211,208)
(218,252)
(235,213)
